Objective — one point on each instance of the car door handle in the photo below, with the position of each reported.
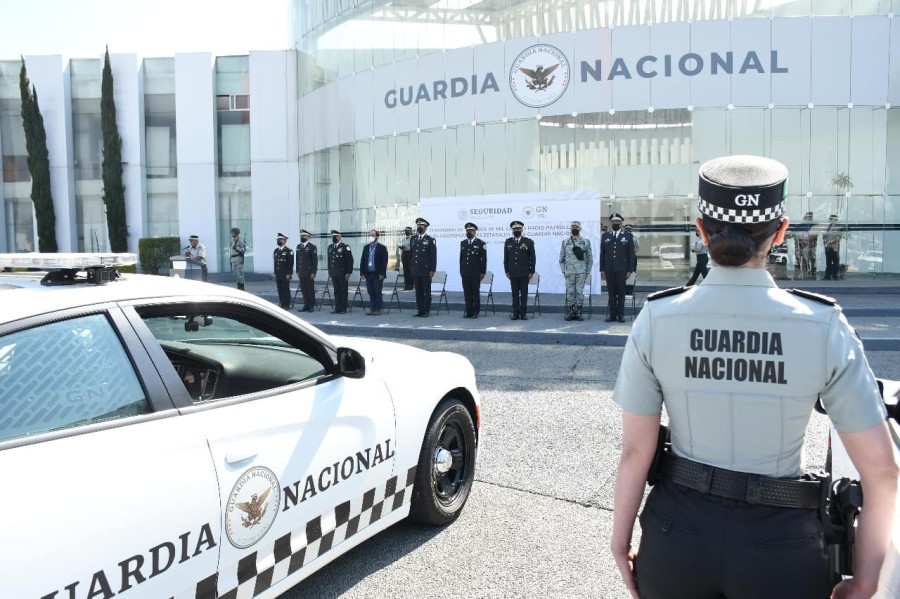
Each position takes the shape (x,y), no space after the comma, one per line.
(233,457)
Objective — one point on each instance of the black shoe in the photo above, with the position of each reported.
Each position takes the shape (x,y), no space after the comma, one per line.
(621,319)
(514,317)
(569,316)
(609,319)
(475,315)
(578,317)
(419,314)
(341,312)
(523,317)
(467,316)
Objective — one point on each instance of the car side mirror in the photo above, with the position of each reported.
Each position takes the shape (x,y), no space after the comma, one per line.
(351,363)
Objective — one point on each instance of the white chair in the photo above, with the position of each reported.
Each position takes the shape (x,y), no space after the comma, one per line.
(534,294)
(440,280)
(486,290)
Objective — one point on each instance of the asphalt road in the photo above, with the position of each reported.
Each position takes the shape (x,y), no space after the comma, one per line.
(539,519)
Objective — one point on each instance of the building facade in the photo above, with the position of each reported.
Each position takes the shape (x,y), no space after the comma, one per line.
(383,104)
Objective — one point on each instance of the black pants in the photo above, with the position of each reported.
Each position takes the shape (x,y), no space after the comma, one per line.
(284,290)
(472,293)
(340,293)
(308,289)
(700,546)
(615,287)
(423,293)
(832,263)
(519,288)
(407,272)
(701,268)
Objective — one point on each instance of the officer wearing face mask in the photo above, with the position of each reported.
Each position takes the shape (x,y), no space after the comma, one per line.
(575,261)
(340,265)
(519,262)
(307,266)
(424,263)
(617,261)
(472,267)
(284,268)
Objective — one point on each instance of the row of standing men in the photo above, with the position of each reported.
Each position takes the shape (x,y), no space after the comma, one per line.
(617,261)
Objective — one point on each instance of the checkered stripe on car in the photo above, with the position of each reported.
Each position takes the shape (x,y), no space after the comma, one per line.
(300,547)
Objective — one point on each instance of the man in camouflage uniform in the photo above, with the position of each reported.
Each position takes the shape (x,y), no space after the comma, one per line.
(575,260)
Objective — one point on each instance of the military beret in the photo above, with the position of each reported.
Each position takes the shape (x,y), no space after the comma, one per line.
(616,216)
(422,221)
(304,232)
(197,237)
(516,224)
(742,189)
(335,232)
(576,223)
(471,226)
(281,236)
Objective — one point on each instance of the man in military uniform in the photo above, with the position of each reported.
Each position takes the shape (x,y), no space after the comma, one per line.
(196,251)
(237,251)
(806,245)
(284,267)
(575,261)
(472,266)
(831,239)
(423,264)
(340,265)
(518,262)
(406,259)
(307,266)
(634,238)
(617,261)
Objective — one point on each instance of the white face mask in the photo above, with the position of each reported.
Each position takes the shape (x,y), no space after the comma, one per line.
(371,239)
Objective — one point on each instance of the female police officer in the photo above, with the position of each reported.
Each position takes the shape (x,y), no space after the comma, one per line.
(738,364)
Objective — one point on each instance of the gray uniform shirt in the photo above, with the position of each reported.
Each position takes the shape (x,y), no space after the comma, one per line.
(739,364)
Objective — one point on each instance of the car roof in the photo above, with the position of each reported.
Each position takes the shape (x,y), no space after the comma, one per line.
(22,294)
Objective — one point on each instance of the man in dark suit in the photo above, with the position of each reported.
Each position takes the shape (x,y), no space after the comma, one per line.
(519,262)
(340,265)
(373,266)
(617,262)
(307,256)
(472,266)
(283,257)
(424,263)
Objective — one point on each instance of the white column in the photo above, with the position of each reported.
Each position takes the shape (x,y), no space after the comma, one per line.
(54,93)
(274,167)
(195,125)
(128,92)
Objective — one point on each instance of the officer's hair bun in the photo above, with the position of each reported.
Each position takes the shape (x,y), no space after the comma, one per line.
(734,245)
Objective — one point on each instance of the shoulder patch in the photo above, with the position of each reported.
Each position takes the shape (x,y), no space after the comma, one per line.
(667,292)
(816,297)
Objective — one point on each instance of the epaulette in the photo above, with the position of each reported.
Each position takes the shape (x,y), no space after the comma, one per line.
(816,297)
(667,292)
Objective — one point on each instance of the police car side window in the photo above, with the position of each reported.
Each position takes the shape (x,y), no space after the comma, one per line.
(65,374)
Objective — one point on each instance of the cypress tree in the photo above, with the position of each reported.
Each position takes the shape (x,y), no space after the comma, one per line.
(38,163)
(113,188)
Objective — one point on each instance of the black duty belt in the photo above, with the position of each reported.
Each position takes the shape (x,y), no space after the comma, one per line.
(752,488)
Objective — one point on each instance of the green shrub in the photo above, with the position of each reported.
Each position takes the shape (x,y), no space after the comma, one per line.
(154,253)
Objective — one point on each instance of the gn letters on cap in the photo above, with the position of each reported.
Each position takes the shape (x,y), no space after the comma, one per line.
(742,189)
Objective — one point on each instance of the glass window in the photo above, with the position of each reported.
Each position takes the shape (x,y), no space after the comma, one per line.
(65,374)
(223,352)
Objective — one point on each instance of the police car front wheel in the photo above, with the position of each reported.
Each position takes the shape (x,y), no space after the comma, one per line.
(446,465)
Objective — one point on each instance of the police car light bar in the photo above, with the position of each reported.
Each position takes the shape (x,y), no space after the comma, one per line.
(65,261)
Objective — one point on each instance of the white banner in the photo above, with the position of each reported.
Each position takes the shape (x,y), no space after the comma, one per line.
(546,216)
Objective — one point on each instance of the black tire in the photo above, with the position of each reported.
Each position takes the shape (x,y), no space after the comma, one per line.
(439,496)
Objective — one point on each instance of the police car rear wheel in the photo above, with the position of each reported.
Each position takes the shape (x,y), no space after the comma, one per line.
(446,465)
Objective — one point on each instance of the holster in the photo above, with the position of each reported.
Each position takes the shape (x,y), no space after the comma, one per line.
(662,443)
(839,512)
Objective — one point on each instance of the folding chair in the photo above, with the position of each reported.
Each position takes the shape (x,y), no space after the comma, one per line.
(534,294)
(357,294)
(394,282)
(487,295)
(322,277)
(440,280)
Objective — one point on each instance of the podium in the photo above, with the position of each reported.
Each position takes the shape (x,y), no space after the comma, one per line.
(185,268)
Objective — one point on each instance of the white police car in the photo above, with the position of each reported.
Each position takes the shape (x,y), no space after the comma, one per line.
(168,438)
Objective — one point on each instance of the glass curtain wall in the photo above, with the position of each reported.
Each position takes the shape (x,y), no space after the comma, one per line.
(160,137)
(90,212)
(233,147)
(18,207)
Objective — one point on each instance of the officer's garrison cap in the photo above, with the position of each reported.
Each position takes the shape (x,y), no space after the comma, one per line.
(742,189)
(422,221)
(472,226)
(516,224)
(281,236)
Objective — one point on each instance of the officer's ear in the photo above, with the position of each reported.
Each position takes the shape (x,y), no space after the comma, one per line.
(782,229)
(703,236)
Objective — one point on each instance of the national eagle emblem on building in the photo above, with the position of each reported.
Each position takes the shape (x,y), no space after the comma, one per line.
(533,82)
